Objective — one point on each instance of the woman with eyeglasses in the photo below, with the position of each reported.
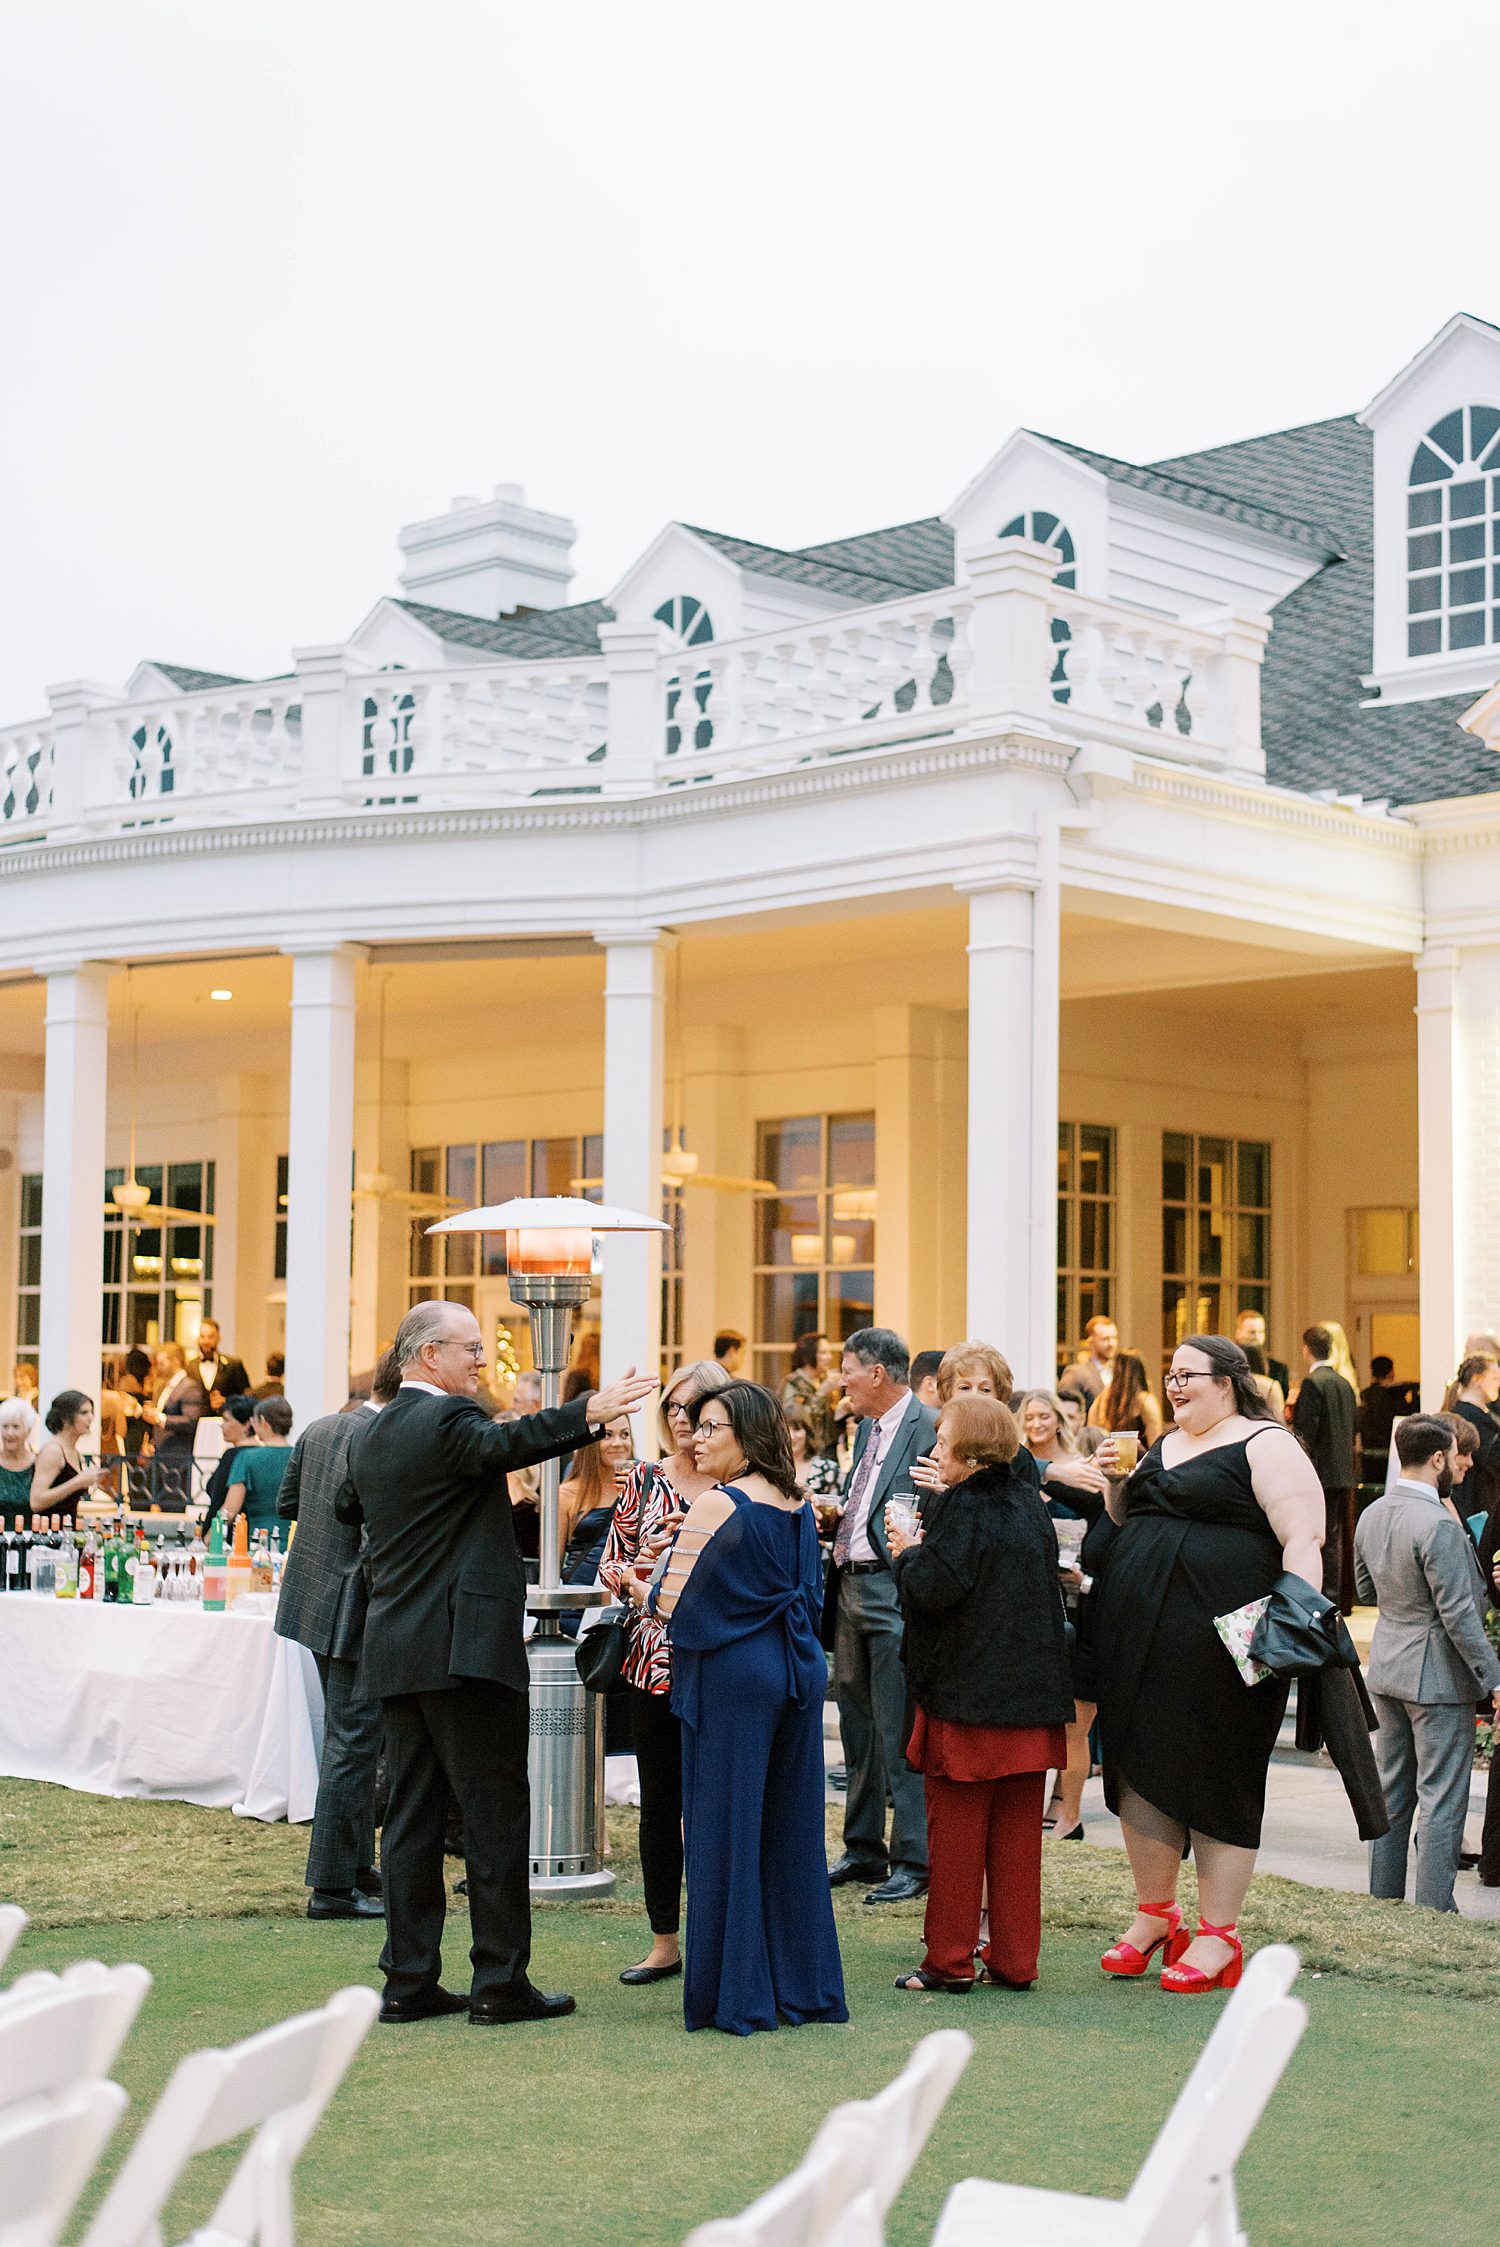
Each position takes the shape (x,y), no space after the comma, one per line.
(742,1598)
(648,1512)
(1224,1504)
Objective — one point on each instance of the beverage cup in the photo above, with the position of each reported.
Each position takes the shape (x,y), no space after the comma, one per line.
(901,1517)
(1128,1452)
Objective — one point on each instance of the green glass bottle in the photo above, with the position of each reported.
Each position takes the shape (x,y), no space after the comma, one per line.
(215,1570)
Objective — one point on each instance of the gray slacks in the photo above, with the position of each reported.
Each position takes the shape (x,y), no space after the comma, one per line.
(869,1684)
(343,1829)
(1425,1751)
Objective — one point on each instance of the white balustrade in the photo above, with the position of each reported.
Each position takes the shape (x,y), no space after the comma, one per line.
(218,754)
(460,735)
(1136,669)
(26,754)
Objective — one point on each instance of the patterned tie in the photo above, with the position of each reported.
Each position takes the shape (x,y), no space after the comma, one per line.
(864,1475)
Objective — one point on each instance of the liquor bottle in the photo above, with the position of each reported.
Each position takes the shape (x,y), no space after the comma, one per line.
(214,1571)
(28,1540)
(143,1584)
(260,1563)
(239,1562)
(88,1568)
(43,1560)
(109,1565)
(10,1558)
(65,1580)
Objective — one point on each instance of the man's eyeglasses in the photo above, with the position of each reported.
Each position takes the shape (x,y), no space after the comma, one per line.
(475,1350)
(1181,1380)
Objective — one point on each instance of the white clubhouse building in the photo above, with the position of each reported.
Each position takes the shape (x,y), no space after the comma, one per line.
(1087,898)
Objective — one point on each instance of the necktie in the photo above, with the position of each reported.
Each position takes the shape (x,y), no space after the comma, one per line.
(864,1475)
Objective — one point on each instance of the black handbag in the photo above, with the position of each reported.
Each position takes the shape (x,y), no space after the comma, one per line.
(1302,1631)
(600,1653)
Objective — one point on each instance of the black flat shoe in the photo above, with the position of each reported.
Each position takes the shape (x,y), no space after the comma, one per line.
(535,2005)
(345,1903)
(988,1975)
(427,2005)
(848,1870)
(635,1976)
(920,1979)
(899,1889)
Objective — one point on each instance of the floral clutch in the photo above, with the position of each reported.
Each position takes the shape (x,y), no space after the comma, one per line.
(1237,1629)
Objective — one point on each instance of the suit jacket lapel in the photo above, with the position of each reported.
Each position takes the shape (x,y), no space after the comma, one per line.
(898,1454)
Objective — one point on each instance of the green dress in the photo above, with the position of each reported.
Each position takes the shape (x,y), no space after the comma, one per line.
(15,1490)
(261,1467)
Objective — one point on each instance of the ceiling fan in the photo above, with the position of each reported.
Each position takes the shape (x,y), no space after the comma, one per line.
(132,1200)
(378,1185)
(679,1165)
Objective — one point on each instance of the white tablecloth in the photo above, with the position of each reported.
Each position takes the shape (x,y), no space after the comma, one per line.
(164,1702)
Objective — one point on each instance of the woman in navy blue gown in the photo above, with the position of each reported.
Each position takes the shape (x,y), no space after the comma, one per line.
(741,1595)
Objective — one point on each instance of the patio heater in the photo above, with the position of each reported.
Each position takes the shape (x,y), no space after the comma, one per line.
(549,1255)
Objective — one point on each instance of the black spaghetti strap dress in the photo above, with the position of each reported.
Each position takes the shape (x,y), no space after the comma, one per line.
(1178,1722)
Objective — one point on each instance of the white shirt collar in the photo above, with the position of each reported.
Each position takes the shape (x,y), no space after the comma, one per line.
(1416,1489)
(889,1422)
(428,1388)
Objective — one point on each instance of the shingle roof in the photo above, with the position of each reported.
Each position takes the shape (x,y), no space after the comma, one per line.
(875,566)
(1317,734)
(194,682)
(532,635)
(1186,492)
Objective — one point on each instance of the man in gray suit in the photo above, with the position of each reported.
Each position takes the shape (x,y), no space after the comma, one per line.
(1429,1662)
(862,1625)
(322,1606)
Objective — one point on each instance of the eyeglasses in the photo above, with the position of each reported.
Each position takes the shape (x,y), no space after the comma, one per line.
(474,1350)
(1181,1380)
(707,1427)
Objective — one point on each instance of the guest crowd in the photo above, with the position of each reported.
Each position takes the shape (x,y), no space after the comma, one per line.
(1014,1590)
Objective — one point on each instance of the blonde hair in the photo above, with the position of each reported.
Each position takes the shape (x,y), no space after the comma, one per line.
(700,1378)
(975,1357)
(980,1430)
(1066,1440)
(1340,1356)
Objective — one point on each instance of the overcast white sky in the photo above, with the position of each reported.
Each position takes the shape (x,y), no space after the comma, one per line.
(281,275)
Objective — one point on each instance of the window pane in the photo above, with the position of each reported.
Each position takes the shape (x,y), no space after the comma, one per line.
(1424,507)
(791,1152)
(851,1150)
(1465,544)
(1176,1154)
(1423,639)
(1210,1242)
(1173,1316)
(1424,553)
(425,1163)
(460,1253)
(1254,1174)
(552,1165)
(1213,1171)
(1427,468)
(31,1259)
(851,1303)
(1465,499)
(1093,1236)
(31,1198)
(1096,1159)
(462,1177)
(423,1250)
(593,1163)
(851,1240)
(1467,631)
(185,1185)
(1254,1247)
(1064,1157)
(1174,1240)
(787,1306)
(114,1236)
(788,1232)
(464,1295)
(1465,586)
(1095,1301)
(1064,1259)
(504,1171)
(1424,593)
(1380,1242)
(1207,1311)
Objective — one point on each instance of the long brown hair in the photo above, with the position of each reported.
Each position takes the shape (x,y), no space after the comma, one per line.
(1119,1406)
(592,1478)
(1469,1370)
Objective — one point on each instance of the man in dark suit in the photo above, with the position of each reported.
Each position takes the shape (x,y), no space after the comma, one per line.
(1250,1333)
(322,1606)
(210,1364)
(862,1625)
(445,1655)
(181,1402)
(1326,1416)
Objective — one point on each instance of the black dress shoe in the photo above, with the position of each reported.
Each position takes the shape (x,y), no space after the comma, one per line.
(1467,1859)
(344,1903)
(426,2005)
(536,2005)
(634,1976)
(848,1869)
(899,1889)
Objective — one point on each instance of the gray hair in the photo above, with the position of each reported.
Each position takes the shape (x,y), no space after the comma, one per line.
(423,1323)
(877,1345)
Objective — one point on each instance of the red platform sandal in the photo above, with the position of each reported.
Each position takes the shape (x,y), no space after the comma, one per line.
(1125,1960)
(1186,1981)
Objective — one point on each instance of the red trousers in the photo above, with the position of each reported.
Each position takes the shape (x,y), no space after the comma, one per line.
(978,1828)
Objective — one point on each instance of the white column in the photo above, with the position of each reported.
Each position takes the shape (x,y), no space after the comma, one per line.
(637,705)
(1012,1150)
(320,1146)
(77,1065)
(1458,1130)
(633,1014)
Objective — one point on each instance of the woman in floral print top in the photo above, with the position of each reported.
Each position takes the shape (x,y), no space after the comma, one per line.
(648,1513)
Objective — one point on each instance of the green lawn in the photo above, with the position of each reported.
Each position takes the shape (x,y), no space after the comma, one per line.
(614,2125)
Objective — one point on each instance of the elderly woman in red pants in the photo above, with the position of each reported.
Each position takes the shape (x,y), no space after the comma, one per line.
(987,1663)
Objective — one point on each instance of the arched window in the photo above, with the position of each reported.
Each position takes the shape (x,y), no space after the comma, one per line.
(685,615)
(1048,531)
(1453,534)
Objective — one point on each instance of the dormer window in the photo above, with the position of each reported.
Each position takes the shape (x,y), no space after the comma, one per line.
(690,620)
(1048,531)
(1453,534)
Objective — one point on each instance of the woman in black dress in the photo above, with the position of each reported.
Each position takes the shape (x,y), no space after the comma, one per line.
(1217,1510)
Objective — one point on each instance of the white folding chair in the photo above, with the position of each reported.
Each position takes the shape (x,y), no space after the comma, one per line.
(1177,2189)
(902,2116)
(47,2156)
(58,2031)
(12,1920)
(276,2084)
(821,2204)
